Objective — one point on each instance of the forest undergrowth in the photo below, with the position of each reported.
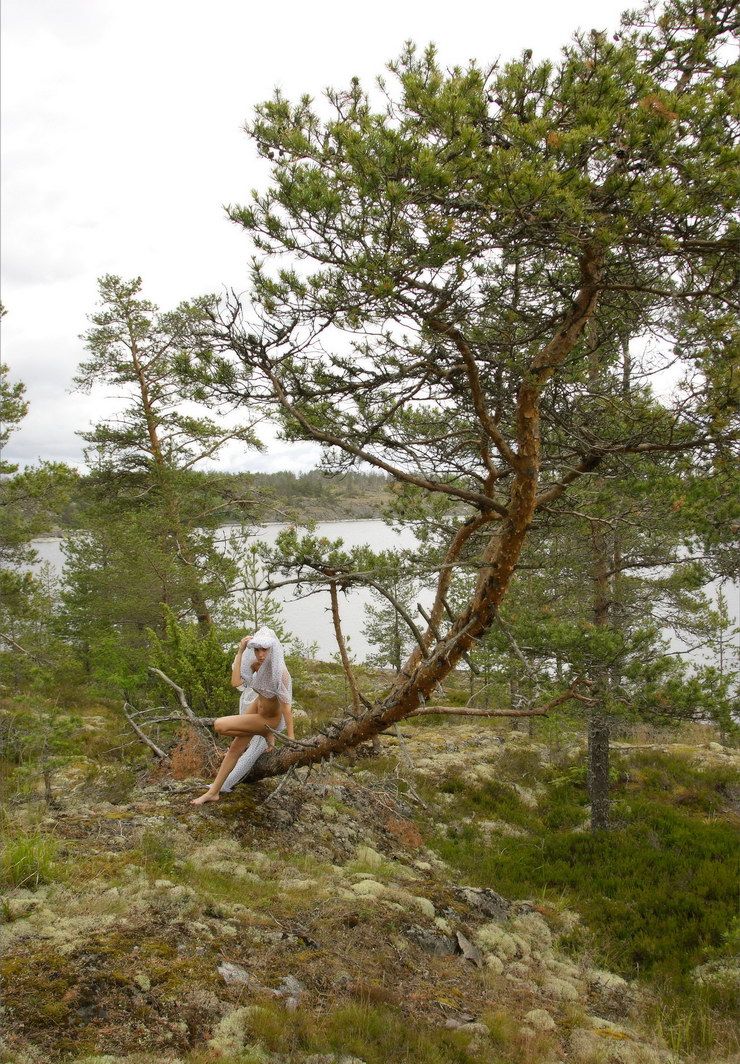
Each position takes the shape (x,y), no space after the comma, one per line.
(121,903)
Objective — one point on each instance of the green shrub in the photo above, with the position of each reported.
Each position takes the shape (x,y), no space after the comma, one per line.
(491,799)
(659,891)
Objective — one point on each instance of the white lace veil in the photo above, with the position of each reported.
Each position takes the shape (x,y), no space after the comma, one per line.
(272,678)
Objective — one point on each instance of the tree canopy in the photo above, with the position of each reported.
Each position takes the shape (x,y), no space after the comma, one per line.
(455,273)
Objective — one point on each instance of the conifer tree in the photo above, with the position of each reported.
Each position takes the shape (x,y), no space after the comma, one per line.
(456,267)
(152,517)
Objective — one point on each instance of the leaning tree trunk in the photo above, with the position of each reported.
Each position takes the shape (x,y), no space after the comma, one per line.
(437,657)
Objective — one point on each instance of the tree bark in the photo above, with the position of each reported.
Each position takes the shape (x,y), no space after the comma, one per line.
(598,721)
(598,768)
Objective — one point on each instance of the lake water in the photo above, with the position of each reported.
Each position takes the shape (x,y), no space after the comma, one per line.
(309,618)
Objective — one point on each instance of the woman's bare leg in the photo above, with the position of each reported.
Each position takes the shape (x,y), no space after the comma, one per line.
(243,727)
(230,758)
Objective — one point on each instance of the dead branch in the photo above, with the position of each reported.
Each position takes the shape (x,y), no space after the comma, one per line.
(464,711)
(161,720)
(526,665)
(287,740)
(206,723)
(180,694)
(17,646)
(435,632)
(158,752)
(404,749)
(284,780)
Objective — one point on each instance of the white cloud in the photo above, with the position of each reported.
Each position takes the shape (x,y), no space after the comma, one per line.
(122,142)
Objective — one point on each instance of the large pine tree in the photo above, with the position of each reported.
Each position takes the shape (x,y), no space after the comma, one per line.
(463,260)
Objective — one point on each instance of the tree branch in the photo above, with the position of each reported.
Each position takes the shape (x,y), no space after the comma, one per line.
(158,752)
(343,648)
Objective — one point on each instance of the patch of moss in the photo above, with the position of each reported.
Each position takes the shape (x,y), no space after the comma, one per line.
(492,799)
(36,987)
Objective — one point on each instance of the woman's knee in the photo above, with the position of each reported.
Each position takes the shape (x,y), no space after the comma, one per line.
(221,725)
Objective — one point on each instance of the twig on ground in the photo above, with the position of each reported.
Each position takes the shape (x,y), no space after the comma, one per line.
(284,780)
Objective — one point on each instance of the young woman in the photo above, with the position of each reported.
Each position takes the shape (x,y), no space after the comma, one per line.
(267,692)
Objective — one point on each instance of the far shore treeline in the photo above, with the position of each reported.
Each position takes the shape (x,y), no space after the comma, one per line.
(283,496)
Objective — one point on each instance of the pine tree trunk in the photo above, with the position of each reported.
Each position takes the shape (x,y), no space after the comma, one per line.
(175,531)
(598,768)
(598,722)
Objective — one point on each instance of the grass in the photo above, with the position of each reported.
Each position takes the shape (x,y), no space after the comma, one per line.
(28,860)
(692,1022)
(375,1033)
(493,799)
(157,851)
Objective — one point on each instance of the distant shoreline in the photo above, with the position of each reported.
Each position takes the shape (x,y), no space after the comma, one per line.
(235,524)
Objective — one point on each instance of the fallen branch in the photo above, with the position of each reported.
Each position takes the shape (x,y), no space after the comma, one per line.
(158,752)
(161,720)
(202,722)
(180,695)
(284,780)
(286,739)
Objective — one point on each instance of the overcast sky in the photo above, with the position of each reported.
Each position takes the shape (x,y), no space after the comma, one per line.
(122,141)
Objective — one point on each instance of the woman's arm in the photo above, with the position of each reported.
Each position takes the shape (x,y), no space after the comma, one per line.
(236,665)
(288,714)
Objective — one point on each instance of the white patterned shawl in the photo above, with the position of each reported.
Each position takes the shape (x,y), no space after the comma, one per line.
(272,678)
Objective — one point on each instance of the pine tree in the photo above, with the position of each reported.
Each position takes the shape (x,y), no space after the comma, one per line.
(471,250)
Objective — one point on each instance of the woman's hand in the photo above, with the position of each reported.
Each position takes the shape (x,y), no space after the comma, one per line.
(236,679)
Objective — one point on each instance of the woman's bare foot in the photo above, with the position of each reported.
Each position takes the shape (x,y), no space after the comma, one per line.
(207,797)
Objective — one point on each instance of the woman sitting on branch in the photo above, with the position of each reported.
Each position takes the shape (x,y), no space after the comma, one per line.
(267,692)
